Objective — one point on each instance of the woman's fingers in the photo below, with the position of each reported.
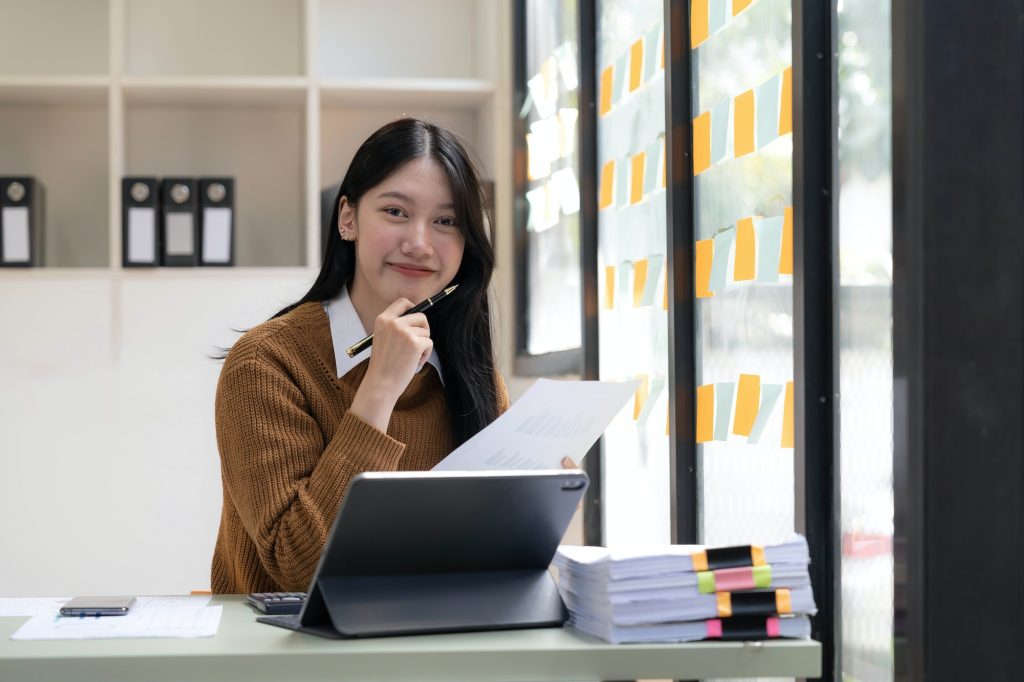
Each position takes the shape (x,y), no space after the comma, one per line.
(569,464)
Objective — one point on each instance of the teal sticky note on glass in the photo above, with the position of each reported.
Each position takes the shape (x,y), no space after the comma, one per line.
(620,77)
(651,52)
(623,297)
(723,409)
(622,171)
(766,102)
(769,248)
(652,156)
(720,260)
(654,265)
(716,15)
(719,129)
(769,396)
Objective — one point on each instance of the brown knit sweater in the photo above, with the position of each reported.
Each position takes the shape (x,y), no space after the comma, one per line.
(289,448)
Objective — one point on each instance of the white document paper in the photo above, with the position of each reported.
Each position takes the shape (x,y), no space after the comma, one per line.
(164,617)
(141,235)
(30,606)
(16,237)
(552,420)
(216,235)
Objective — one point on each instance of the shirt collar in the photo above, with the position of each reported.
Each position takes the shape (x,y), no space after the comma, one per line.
(346,329)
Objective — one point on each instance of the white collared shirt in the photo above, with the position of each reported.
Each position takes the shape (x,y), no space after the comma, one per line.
(346,329)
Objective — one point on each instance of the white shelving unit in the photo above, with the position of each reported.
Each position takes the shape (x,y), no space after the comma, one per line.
(277,93)
(105,381)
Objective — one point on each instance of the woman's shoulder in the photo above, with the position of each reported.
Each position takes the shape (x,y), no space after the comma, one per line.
(278,339)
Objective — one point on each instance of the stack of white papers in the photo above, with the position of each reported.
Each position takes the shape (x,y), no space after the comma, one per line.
(679,593)
(177,617)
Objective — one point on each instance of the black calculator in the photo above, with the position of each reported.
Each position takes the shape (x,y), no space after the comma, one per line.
(277,603)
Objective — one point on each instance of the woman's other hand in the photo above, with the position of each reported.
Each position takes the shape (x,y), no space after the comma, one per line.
(569,464)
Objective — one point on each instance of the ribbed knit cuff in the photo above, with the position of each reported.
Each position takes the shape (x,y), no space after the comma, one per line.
(366,448)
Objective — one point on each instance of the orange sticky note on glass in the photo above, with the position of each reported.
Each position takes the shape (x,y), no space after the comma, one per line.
(636,185)
(604,195)
(748,395)
(641,395)
(606,92)
(705,249)
(744,267)
(609,287)
(787,417)
(698,22)
(786,103)
(636,62)
(705,413)
(743,124)
(702,142)
(639,281)
(786,256)
(740,5)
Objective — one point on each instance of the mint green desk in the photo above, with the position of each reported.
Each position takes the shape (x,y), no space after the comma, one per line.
(246,650)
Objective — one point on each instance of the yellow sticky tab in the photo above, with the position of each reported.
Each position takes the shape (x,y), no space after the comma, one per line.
(699,561)
(757,556)
(636,172)
(743,124)
(705,413)
(641,395)
(606,92)
(702,143)
(744,269)
(786,256)
(636,61)
(639,281)
(604,195)
(698,22)
(748,394)
(787,417)
(740,5)
(783,601)
(705,250)
(724,603)
(609,287)
(786,103)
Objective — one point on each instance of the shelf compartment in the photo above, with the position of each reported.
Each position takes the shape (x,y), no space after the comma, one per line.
(65,147)
(397,38)
(223,38)
(262,148)
(54,38)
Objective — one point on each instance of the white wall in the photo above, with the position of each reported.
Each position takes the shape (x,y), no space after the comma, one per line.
(109,469)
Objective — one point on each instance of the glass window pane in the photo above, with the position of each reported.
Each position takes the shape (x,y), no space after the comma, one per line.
(742,109)
(633,316)
(865,338)
(552,193)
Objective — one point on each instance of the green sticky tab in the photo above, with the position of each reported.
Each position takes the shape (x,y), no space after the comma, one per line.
(706,582)
(762,576)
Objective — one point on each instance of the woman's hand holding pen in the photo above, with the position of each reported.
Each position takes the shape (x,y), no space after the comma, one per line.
(401,344)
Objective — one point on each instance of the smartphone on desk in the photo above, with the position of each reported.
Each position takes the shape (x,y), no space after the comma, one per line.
(97,606)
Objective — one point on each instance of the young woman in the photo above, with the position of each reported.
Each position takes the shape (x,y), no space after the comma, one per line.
(297,418)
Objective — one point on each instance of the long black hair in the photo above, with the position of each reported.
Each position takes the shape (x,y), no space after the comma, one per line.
(460,327)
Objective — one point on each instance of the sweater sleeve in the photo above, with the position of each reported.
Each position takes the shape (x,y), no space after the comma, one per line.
(284,477)
(502,393)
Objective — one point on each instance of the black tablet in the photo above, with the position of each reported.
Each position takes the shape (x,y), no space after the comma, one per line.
(418,552)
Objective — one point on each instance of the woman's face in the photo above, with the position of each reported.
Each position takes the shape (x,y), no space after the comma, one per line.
(407,239)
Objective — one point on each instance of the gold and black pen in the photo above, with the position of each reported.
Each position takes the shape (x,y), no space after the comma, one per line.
(358,347)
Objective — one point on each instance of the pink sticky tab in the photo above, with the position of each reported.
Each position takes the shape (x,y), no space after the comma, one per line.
(772,626)
(732,579)
(714,628)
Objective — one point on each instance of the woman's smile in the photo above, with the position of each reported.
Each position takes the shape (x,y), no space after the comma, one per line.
(411,269)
